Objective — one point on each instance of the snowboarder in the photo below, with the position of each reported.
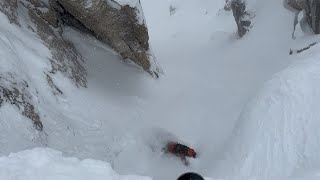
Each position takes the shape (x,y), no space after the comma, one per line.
(181,151)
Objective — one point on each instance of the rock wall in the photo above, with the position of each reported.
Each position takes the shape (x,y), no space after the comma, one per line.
(120,26)
(311,10)
(241,15)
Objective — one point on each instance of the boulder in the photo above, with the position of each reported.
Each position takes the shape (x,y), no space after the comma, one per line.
(122,26)
(241,16)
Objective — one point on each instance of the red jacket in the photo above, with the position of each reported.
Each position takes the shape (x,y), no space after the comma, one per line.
(181,150)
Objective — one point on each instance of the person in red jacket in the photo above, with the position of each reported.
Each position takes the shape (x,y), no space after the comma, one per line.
(181,151)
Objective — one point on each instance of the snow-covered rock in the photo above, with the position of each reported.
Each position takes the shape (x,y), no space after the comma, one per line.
(241,15)
(32,53)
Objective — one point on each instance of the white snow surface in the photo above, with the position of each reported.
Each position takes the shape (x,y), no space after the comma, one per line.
(245,105)
(277,134)
(48,164)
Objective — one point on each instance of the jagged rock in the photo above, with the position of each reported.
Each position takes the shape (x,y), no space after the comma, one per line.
(46,12)
(241,16)
(227,6)
(45,22)
(16,93)
(8,7)
(65,57)
(296,4)
(311,10)
(125,32)
(119,26)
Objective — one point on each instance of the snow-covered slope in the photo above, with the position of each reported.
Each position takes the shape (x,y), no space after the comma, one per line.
(277,133)
(125,117)
(24,62)
(48,164)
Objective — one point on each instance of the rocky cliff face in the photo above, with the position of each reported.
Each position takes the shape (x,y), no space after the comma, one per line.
(36,19)
(65,58)
(121,26)
(296,4)
(243,16)
(311,10)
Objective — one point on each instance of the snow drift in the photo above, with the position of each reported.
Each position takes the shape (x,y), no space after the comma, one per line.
(276,135)
(48,164)
(278,132)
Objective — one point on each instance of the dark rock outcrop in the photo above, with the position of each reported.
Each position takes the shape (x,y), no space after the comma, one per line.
(8,7)
(44,21)
(227,6)
(16,93)
(311,10)
(241,15)
(296,4)
(65,57)
(117,26)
